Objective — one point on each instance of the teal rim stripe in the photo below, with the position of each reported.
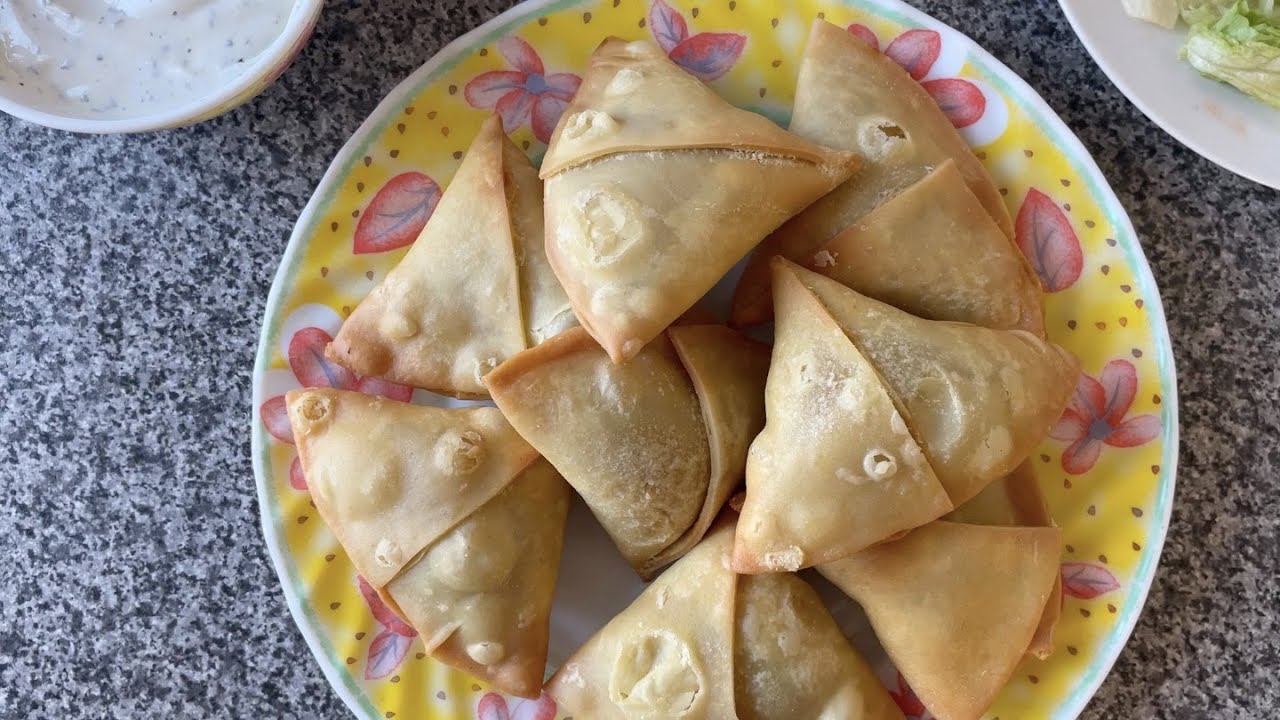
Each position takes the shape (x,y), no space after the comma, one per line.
(1015,91)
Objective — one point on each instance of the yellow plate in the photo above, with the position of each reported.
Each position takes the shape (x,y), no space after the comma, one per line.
(1108,470)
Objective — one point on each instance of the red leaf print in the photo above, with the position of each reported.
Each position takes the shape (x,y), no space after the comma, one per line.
(961,101)
(521,56)
(297,480)
(378,386)
(385,616)
(1050,244)
(906,699)
(275,416)
(306,358)
(396,214)
(916,51)
(1135,431)
(1086,580)
(386,652)
(865,34)
(709,55)
(668,26)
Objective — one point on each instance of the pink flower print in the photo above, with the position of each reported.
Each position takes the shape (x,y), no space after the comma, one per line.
(390,646)
(916,51)
(706,55)
(312,369)
(1096,417)
(525,95)
(494,707)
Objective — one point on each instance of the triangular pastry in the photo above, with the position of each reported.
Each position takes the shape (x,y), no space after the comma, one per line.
(473,290)
(449,515)
(849,95)
(656,187)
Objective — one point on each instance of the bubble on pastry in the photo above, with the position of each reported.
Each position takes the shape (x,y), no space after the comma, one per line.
(486,652)
(313,410)
(398,326)
(380,490)
(879,465)
(459,453)
(610,223)
(790,559)
(484,367)
(454,563)
(994,448)
(824,258)
(388,554)
(624,82)
(655,675)
(879,138)
(589,124)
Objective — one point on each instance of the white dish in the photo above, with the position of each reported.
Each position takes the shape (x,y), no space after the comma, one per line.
(259,71)
(1213,119)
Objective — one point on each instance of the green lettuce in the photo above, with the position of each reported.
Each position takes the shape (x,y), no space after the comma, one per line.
(1237,44)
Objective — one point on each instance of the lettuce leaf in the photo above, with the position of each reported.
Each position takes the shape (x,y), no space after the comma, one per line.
(1239,45)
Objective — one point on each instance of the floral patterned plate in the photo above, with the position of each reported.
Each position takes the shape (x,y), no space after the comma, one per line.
(1107,469)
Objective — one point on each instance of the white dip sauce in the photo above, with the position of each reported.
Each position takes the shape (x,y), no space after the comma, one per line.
(127,58)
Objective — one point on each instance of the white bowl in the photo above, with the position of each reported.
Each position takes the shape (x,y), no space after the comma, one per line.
(257,76)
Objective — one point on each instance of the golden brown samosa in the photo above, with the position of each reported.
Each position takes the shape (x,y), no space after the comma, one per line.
(977,400)
(849,95)
(449,515)
(954,605)
(704,644)
(1016,501)
(835,469)
(473,290)
(656,187)
(654,445)
(933,251)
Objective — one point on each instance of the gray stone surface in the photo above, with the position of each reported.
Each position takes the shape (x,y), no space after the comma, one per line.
(133,273)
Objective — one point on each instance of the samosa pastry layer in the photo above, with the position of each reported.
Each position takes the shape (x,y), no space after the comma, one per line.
(978,400)
(480,596)
(704,644)
(849,95)
(473,290)
(933,251)
(1016,501)
(955,606)
(390,478)
(656,187)
(835,469)
(449,515)
(792,661)
(653,457)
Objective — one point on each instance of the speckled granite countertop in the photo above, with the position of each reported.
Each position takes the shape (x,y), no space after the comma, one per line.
(133,577)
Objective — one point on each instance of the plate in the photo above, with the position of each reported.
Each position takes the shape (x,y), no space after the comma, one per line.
(1215,120)
(1110,487)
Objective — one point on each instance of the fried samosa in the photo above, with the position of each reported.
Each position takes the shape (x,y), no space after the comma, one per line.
(656,187)
(933,251)
(849,95)
(473,290)
(704,644)
(955,606)
(654,445)
(835,469)
(1016,501)
(977,400)
(449,515)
